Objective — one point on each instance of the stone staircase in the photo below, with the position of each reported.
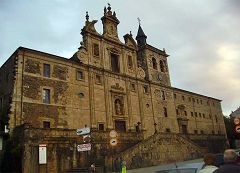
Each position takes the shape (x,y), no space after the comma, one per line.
(161,148)
(99,169)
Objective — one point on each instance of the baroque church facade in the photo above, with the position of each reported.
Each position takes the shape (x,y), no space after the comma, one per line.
(105,85)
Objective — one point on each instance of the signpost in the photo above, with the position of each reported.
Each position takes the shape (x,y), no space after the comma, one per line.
(84,147)
(113,135)
(85,133)
(42,154)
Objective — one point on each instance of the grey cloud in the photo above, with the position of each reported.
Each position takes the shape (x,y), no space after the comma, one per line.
(200,36)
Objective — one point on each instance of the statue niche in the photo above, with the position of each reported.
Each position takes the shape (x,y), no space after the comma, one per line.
(118,107)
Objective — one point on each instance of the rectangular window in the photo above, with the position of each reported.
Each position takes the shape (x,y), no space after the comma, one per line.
(95,49)
(163,95)
(98,79)
(192,114)
(46,96)
(115,63)
(168,130)
(130,62)
(189,99)
(200,115)
(165,112)
(133,88)
(195,114)
(46,124)
(203,115)
(101,127)
(145,89)
(80,75)
(201,102)
(202,132)
(175,96)
(183,98)
(195,132)
(46,70)
(185,112)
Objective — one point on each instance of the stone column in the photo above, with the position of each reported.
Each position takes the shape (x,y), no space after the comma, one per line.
(75,155)
(107,96)
(91,99)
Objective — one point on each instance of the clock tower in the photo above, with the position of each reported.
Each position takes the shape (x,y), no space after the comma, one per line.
(110,23)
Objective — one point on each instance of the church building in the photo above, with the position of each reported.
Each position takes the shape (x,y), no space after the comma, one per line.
(106,85)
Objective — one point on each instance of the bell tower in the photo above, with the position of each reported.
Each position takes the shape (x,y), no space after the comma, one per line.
(110,22)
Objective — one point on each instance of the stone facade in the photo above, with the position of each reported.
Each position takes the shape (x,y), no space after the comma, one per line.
(105,85)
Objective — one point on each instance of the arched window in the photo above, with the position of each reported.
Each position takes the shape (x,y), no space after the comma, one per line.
(161,66)
(154,63)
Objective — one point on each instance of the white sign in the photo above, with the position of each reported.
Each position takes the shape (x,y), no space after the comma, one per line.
(113,142)
(42,154)
(113,134)
(84,147)
(86,138)
(83,131)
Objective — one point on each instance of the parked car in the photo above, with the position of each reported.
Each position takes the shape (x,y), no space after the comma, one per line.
(185,168)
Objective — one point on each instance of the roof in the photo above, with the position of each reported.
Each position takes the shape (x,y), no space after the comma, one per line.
(140,32)
(236,113)
(181,90)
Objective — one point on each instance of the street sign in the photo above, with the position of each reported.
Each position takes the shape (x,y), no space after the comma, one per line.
(83,131)
(84,147)
(86,138)
(236,120)
(113,134)
(113,142)
(237,129)
(42,154)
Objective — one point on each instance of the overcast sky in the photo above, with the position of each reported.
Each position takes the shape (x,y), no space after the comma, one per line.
(202,37)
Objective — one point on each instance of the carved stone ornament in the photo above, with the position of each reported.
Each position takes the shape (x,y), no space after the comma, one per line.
(117,87)
(82,55)
(141,73)
(181,107)
(157,93)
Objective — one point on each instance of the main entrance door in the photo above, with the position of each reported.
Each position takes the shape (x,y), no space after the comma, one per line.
(184,129)
(120,126)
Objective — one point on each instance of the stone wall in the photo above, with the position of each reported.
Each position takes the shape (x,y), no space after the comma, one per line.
(161,148)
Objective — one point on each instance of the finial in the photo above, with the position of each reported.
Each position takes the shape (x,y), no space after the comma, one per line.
(109,7)
(87,16)
(131,33)
(105,9)
(114,14)
(139,21)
